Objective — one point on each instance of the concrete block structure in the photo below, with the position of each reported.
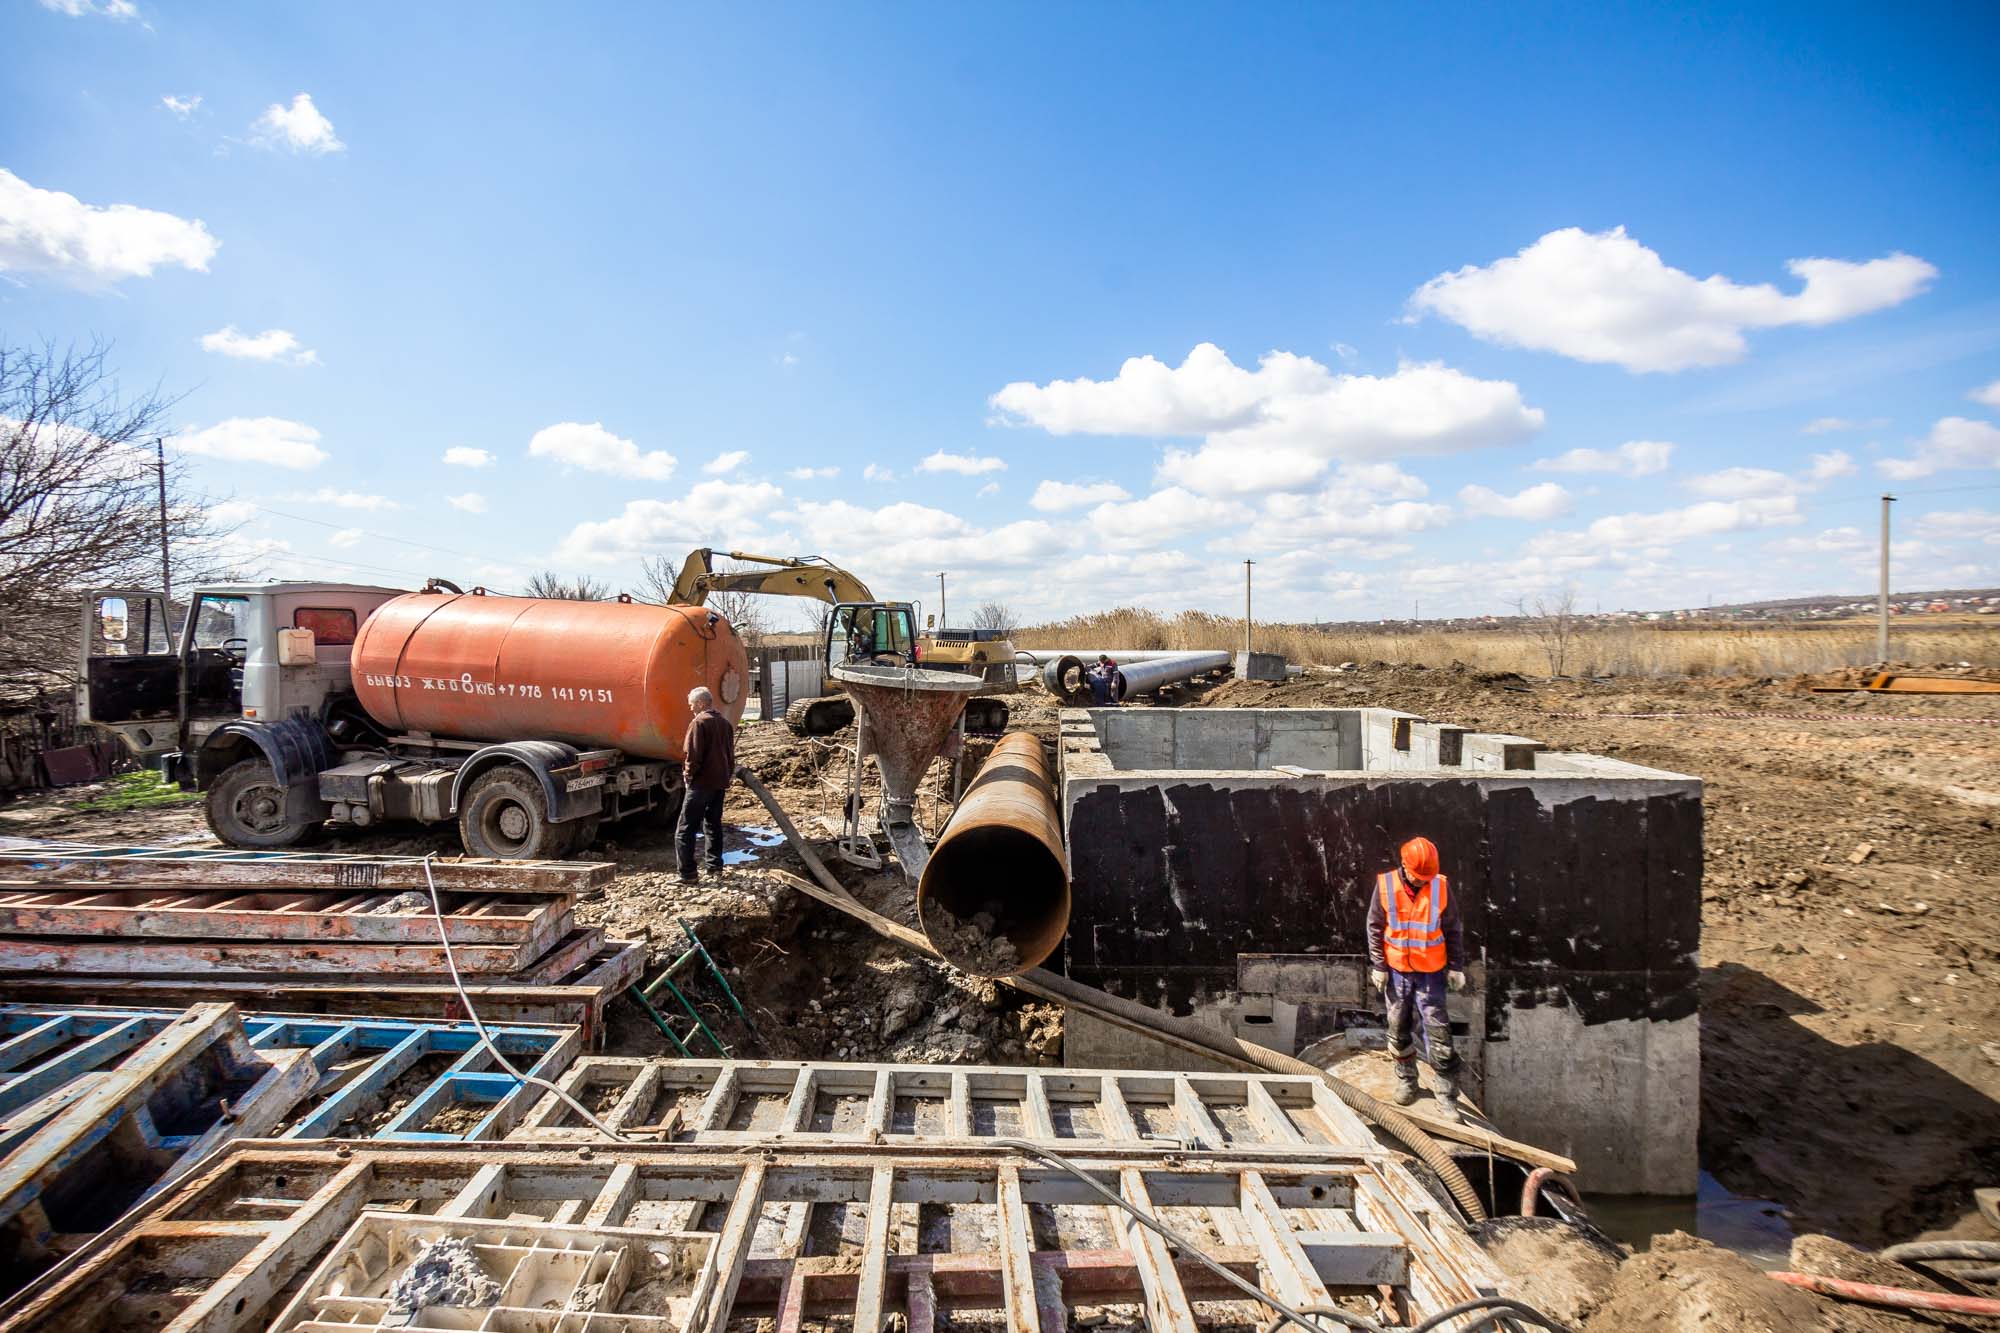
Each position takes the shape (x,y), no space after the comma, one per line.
(1221,862)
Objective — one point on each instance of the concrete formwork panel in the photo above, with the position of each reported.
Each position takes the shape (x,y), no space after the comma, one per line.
(1198,837)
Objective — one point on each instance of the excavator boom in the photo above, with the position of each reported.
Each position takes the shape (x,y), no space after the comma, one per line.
(780,576)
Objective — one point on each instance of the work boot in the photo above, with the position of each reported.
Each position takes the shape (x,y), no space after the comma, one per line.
(1447,1098)
(1406,1086)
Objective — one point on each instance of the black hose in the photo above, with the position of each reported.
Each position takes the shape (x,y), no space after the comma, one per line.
(1500,1306)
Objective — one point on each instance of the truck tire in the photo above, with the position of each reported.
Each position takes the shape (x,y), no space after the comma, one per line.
(246,808)
(506,817)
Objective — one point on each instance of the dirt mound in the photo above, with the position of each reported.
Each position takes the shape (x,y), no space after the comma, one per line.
(1684,1285)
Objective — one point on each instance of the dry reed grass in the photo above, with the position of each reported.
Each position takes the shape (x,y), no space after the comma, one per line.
(1626,648)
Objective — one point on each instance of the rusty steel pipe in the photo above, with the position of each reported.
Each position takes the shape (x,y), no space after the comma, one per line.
(1000,858)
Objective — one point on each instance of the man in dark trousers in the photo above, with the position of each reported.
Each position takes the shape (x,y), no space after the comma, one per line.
(711,765)
(1415,947)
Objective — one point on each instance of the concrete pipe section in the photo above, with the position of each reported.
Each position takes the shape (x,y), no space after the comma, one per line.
(994,898)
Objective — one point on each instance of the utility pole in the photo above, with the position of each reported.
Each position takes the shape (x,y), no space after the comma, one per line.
(1882,590)
(942,622)
(166,565)
(1246,610)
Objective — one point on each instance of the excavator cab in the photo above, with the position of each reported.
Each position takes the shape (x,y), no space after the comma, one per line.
(881,632)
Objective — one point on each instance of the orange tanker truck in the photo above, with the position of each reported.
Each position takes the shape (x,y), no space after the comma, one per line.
(529,721)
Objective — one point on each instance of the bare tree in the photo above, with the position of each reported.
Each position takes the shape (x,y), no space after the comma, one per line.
(1552,622)
(996,615)
(745,610)
(80,500)
(582,588)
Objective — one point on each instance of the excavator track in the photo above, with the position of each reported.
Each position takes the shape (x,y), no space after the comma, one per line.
(819,717)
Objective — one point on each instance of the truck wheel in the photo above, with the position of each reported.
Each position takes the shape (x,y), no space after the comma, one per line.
(246,808)
(505,816)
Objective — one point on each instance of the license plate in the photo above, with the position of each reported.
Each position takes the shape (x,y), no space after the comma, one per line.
(584,784)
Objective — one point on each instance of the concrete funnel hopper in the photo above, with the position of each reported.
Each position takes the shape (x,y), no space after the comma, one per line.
(906,715)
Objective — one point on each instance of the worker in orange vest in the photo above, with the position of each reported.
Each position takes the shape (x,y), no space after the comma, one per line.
(1415,947)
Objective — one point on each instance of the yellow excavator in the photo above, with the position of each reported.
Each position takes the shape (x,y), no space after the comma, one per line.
(860,629)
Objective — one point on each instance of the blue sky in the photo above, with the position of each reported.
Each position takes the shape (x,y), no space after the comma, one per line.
(1085,305)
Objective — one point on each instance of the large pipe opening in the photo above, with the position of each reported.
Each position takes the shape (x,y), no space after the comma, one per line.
(994,898)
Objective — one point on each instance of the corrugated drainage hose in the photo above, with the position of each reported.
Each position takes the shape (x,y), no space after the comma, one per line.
(1047,985)
(1930,1252)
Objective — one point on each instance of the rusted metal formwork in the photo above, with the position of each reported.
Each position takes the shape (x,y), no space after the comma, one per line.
(101,1108)
(572,984)
(471,917)
(24,862)
(748,1103)
(697,1238)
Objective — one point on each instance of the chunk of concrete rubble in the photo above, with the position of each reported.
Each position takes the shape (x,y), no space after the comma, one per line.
(447,1272)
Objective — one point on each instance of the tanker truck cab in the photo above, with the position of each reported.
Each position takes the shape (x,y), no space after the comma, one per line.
(291,706)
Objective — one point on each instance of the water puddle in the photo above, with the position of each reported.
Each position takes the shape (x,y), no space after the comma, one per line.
(1754,1228)
(760,836)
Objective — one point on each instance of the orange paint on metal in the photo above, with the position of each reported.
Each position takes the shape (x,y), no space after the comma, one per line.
(1001,854)
(490,668)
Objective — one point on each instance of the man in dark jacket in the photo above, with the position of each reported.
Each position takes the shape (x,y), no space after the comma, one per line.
(710,766)
(1415,947)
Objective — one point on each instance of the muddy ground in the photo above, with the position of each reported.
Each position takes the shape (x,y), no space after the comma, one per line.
(1851,942)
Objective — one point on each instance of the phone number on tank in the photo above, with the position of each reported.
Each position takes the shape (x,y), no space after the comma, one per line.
(504,689)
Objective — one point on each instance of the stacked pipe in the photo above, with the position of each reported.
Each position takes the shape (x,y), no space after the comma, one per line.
(1065,676)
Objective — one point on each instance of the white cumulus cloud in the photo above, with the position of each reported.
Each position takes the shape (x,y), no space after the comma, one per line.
(813,473)
(270,345)
(876,472)
(1536,503)
(298,128)
(1055,497)
(47,231)
(1834,463)
(1281,425)
(1987,394)
(182,107)
(328,497)
(1162,516)
(726,462)
(965,465)
(464,455)
(472,502)
(1961,525)
(1604,297)
(346,537)
(712,512)
(1634,458)
(120,10)
(1827,425)
(595,449)
(1954,442)
(1626,533)
(272,440)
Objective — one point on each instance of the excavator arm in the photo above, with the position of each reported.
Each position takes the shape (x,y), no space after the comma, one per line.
(780,576)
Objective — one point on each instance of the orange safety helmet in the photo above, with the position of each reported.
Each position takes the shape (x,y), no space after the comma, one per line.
(1420,860)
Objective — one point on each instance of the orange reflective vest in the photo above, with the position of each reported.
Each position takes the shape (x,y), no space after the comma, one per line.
(1412,935)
